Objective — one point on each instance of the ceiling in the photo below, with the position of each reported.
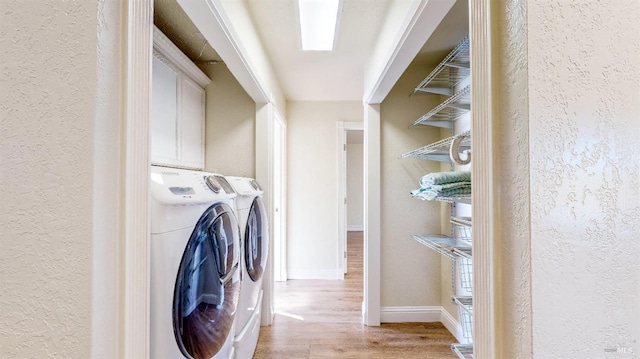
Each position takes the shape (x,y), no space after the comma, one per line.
(319,75)
(314,76)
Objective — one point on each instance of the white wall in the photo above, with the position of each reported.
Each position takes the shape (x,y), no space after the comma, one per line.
(312,244)
(230,128)
(242,22)
(584,130)
(410,272)
(355,187)
(49,85)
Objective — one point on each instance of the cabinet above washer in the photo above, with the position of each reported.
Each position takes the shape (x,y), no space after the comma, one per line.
(177,107)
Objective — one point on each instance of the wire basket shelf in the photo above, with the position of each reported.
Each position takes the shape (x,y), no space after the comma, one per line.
(465,273)
(466,322)
(461,232)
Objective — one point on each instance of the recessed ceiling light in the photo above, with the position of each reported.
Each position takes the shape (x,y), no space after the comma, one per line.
(318,24)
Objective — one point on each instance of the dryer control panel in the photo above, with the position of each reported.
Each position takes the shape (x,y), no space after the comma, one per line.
(177,186)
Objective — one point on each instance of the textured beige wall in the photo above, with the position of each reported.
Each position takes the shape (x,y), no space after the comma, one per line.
(312,180)
(48,94)
(584,131)
(230,128)
(410,272)
(568,75)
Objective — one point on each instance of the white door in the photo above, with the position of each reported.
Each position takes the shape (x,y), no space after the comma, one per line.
(279,230)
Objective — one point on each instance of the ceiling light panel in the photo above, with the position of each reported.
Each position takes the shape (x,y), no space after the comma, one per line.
(318,23)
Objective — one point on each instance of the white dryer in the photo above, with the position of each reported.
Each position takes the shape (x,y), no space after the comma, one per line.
(195,258)
(252,215)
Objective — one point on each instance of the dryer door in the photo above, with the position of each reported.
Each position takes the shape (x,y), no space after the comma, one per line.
(208,284)
(256,240)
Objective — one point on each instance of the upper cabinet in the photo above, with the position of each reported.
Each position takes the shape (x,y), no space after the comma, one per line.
(178,107)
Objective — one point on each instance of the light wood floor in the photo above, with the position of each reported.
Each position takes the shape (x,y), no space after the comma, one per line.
(322,319)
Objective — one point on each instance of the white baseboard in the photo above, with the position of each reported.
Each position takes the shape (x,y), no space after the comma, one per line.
(452,325)
(431,314)
(410,314)
(293,273)
(355,228)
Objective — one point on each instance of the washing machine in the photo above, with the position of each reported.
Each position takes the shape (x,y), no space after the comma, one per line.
(254,231)
(195,265)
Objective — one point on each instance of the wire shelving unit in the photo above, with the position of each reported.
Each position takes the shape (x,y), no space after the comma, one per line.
(450,71)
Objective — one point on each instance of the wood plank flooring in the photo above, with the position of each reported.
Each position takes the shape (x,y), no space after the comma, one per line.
(322,319)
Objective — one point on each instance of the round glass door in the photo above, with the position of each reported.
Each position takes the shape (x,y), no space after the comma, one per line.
(256,240)
(208,284)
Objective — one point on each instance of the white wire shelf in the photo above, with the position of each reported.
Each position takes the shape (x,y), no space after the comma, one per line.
(440,151)
(461,221)
(443,244)
(449,72)
(466,199)
(457,199)
(465,303)
(448,111)
(463,253)
(463,351)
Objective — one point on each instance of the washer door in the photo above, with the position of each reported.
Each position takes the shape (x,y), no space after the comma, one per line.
(208,284)
(256,240)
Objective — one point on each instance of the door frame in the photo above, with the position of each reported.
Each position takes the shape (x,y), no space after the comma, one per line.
(342,201)
(483,207)
(267,121)
(136,95)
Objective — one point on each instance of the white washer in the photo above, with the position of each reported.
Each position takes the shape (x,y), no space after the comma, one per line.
(195,254)
(252,215)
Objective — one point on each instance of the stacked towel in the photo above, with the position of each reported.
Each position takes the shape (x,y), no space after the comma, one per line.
(444,184)
(445,177)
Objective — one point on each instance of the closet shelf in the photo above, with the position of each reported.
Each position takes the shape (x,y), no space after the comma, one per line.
(463,252)
(440,151)
(457,199)
(448,111)
(461,221)
(449,72)
(444,245)
(465,303)
(463,351)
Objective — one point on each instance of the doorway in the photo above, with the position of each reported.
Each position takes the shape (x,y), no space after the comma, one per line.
(351,185)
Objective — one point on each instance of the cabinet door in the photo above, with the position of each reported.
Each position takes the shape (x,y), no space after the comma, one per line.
(164,149)
(191,122)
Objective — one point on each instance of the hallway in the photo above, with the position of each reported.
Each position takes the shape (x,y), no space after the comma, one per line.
(322,319)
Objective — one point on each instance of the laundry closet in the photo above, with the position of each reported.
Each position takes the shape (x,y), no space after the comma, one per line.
(209,232)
